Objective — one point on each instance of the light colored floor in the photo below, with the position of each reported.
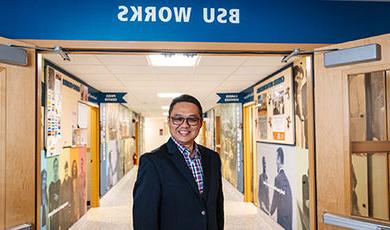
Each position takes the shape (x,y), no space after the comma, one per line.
(116,208)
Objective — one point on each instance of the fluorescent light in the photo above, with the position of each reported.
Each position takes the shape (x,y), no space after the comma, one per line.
(168,95)
(173,59)
(165,107)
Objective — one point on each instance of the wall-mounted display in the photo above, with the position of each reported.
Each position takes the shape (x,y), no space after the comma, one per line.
(275,109)
(53,112)
(283,185)
(118,145)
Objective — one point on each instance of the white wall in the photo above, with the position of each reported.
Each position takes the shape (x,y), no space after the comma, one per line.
(152,132)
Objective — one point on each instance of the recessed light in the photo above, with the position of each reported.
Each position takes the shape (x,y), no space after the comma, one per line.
(173,60)
(168,95)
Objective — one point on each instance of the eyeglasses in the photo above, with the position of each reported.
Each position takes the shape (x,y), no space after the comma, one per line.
(191,121)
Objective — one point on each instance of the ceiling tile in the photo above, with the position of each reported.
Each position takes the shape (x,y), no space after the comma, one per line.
(173,70)
(221,60)
(264,60)
(255,70)
(212,77)
(210,70)
(232,86)
(125,60)
(136,77)
(124,69)
(88,69)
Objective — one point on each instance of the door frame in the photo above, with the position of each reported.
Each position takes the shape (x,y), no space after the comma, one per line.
(249,154)
(81,46)
(333,152)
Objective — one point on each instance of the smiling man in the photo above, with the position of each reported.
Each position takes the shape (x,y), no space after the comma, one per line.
(179,184)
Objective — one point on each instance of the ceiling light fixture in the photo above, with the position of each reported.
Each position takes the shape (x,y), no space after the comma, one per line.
(173,60)
(165,107)
(168,95)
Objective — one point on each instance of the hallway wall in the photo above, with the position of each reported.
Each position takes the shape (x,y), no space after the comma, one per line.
(156,132)
(118,144)
(282,174)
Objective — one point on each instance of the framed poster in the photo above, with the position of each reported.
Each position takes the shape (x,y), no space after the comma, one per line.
(53,112)
(275,109)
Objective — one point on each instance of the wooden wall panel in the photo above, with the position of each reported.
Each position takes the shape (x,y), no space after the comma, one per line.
(2,146)
(174,46)
(20,116)
(332,128)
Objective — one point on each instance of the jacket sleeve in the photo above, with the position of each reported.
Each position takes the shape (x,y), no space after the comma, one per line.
(146,195)
(220,206)
(275,198)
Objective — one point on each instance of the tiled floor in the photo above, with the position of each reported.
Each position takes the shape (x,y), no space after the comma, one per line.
(116,208)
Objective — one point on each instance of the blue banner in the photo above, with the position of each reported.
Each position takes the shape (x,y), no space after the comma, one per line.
(110,97)
(261,21)
(230,98)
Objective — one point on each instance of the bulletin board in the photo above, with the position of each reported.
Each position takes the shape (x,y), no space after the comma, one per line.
(70,116)
(275,118)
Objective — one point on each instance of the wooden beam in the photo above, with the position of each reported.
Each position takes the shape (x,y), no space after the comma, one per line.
(370,146)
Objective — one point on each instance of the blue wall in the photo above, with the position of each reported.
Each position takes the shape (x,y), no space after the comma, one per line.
(259,21)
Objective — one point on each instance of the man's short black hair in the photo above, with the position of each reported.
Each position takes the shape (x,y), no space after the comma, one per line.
(280,155)
(186,98)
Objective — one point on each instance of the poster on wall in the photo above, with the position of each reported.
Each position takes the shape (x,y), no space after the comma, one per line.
(53,112)
(210,130)
(275,109)
(231,143)
(283,185)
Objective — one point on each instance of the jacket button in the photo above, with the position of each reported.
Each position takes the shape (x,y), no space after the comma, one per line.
(203,213)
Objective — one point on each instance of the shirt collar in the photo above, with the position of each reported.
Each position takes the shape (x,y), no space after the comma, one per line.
(186,151)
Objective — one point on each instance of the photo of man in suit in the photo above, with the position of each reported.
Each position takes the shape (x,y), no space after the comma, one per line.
(179,184)
(263,189)
(282,198)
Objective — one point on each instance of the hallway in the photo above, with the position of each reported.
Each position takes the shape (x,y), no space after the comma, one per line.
(115,211)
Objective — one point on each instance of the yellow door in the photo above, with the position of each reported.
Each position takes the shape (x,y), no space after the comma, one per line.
(248,154)
(94,156)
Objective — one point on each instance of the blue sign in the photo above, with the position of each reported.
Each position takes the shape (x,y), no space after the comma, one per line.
(261,21)
(110,97)
(230,98)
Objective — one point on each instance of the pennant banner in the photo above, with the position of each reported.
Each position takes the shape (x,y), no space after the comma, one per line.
(110,97)
(230,98)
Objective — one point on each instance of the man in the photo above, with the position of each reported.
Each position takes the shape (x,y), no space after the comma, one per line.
(263,189)
(66,198)
(179,184)
(282,198)
(54,197)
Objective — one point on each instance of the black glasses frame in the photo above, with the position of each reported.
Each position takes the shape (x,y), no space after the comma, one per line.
(191,121)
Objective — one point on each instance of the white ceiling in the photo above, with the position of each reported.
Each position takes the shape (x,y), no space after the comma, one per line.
(132,74)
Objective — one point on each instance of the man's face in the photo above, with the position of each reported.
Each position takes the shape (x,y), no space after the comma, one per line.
(184,130)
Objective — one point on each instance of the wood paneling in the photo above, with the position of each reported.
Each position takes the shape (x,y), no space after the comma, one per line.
(311,145)
(370,146)
(20,132)
(2,146)
(174,46)
(333,157)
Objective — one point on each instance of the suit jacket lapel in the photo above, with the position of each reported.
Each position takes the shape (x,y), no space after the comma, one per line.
(206,170)
(181,165)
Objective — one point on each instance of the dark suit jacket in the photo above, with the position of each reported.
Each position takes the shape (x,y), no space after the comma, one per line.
(166,196)
(283,202)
